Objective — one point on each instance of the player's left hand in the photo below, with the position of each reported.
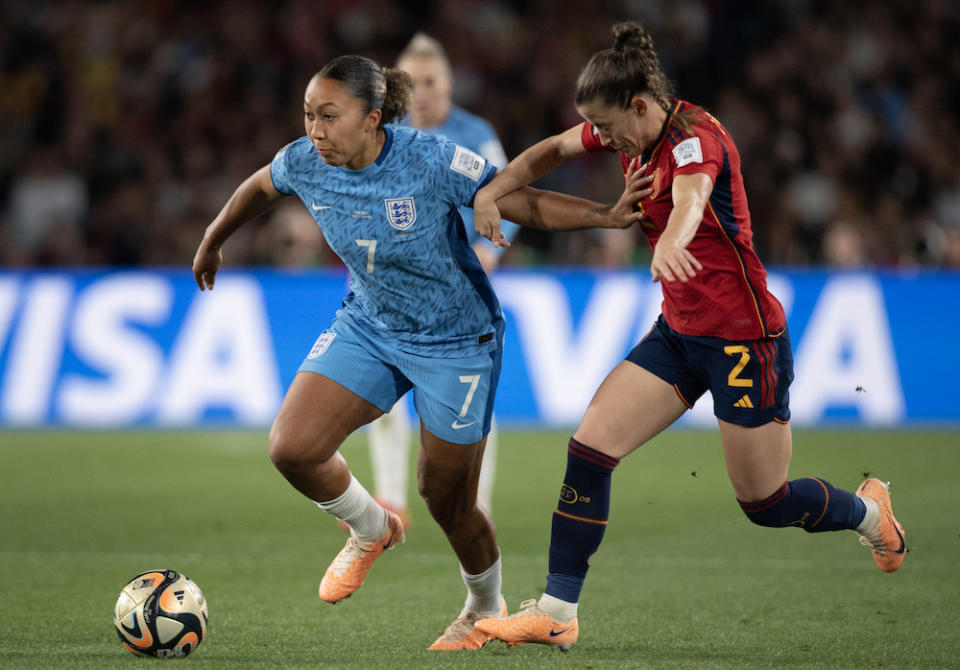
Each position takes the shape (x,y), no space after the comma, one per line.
(624,214)
(206,264)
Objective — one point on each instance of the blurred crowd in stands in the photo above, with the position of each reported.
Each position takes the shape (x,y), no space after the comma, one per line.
(124,126)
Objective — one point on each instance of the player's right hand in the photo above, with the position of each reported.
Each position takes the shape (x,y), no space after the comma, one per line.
(206,264)
(486,219)
(636,188)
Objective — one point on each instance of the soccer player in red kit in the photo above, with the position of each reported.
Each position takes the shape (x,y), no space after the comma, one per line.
(721,329)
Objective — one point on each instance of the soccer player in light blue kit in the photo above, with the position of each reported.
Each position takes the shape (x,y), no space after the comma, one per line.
(420,315)
(433,111)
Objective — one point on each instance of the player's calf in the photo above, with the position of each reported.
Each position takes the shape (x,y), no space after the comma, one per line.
(810,503)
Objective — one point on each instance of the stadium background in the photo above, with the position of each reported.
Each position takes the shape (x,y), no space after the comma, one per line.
(124,127)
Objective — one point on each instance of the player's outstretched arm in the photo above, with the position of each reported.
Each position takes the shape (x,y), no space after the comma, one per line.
(253,197)
(557,211)
(671,260)
(526,168)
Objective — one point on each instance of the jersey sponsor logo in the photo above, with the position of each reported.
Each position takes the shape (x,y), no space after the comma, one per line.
(688,152)
(401,212)
(321,345)
(468,163)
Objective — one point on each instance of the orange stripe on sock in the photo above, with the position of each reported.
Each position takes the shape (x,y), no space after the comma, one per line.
(826,502)
(581,518)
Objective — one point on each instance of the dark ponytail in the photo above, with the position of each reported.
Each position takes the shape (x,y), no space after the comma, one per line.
(386,89)
(399,94)
(613,76)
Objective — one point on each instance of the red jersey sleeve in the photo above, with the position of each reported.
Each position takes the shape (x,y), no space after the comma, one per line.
(591,138)
(703,151)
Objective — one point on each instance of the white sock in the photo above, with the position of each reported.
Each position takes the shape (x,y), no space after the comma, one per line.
(357,508)
(562,611)
(389,453)
(487,470)
(483,590)
(871,518)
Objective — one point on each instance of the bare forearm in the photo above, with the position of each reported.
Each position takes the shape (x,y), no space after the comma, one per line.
(526,168)
(683,222)
(552,211)
(253,197)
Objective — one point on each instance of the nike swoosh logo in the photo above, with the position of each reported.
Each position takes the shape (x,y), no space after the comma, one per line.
(457,426)
(903,545)
(317,207)
(555,633)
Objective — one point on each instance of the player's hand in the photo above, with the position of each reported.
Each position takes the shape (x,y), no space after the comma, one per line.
(206,264)
(624,214)
(486,219)
(671,261)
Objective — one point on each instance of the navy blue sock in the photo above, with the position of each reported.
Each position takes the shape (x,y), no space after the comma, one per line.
(580,519)
(810,503)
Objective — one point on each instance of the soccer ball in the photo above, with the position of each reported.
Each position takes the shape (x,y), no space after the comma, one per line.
(161,613)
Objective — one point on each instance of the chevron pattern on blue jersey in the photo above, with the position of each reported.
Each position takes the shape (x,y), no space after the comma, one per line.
(396,226)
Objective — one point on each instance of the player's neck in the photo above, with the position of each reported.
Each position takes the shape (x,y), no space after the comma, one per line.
(655,126)
(370,153)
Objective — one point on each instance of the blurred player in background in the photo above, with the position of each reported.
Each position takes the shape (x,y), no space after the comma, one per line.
(433,111)
(421,315)
(720,330)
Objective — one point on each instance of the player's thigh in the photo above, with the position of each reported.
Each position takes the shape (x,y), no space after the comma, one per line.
(316,416)
(342,384)
(757,457)
(631,406)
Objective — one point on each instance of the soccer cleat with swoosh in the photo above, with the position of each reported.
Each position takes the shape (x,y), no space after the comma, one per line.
(348,570)
(462,635)
(531,624)
(886,539)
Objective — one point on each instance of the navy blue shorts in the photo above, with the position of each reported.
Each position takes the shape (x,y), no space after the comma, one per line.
(749,379)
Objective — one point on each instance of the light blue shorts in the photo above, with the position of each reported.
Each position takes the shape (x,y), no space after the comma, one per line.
(453,396)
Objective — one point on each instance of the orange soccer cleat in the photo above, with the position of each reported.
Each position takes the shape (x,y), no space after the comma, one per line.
(531,624)
(348,570)
(886,538)
(461,634)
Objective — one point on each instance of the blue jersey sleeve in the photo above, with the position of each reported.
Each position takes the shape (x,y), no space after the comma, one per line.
(279,172)
(461,172)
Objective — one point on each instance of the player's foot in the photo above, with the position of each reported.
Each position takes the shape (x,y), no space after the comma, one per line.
(461,634)
(348,570)
(886,538)
(531,624)
(402,512)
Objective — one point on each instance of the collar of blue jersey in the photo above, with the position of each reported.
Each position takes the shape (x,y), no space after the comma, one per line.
(646,153)
(387,143)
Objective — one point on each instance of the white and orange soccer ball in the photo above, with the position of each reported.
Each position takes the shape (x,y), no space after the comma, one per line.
(161,613)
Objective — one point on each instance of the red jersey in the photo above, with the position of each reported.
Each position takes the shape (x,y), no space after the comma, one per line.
(728,298)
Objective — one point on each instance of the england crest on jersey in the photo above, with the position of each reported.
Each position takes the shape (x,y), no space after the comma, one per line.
(401,212)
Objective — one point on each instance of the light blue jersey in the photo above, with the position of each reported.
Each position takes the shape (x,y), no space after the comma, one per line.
(470,131)
(395,224)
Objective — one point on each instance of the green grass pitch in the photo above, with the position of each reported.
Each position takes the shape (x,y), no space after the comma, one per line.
(682,579)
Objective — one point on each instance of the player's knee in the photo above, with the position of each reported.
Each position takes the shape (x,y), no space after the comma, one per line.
(775,511)
(289,452)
